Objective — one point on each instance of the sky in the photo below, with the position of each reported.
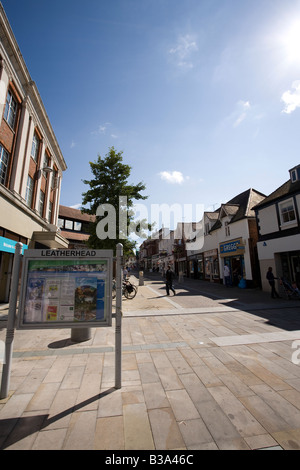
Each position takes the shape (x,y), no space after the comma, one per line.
(202,96)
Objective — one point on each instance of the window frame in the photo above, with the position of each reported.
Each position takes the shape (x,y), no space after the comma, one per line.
(3,172)
(29,191)
(290,205)
(35,144)
(50,211)
(10,112)
(42,198)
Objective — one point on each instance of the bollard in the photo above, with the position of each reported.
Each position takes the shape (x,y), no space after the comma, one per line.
(141,278)
(78,335)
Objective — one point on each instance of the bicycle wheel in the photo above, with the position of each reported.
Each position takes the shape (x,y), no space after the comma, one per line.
(132,294)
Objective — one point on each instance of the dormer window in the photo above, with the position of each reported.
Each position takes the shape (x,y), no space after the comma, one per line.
(287,212)
(295,174)
(227,229)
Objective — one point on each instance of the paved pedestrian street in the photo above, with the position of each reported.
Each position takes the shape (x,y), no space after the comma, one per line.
(210,368)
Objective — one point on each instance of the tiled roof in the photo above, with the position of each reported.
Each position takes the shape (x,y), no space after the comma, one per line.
(241,206)
(288,188)
(74,235)
(75,214)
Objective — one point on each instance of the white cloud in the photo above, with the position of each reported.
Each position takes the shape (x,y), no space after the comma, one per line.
(76,206)
(73,144)
(240,114)
(242,109)
(173,177)
(291,99)
(182,52)
(102,128)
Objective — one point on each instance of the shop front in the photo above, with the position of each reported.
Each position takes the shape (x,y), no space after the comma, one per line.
(211,266)
(7,250)
(290,265)
(195,265)
(233,255)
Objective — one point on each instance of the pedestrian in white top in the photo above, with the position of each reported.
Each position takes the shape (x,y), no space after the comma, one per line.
(226,273)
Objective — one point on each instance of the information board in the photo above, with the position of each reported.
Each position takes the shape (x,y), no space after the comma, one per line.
(66,288)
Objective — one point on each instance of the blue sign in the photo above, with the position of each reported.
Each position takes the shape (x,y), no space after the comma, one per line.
(9,245)
(231,247)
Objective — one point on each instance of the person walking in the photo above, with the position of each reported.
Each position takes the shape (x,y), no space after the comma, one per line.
(169,281)
(271,278)
(226,273)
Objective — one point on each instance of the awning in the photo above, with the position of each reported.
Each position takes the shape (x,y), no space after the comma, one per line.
(50,239)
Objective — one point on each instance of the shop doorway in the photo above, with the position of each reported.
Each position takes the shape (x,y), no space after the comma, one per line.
(290,265)
(237,268)
(296,269)
(6,261)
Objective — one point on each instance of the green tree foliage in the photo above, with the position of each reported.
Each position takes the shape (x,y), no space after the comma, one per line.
(110,181)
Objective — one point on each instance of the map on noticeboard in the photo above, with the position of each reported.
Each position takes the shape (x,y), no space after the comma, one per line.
(59,291)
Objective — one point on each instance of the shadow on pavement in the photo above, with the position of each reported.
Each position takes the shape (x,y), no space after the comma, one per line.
(282,313)
(20,428)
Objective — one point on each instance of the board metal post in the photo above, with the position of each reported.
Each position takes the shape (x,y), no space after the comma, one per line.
(118,332)
(10,331)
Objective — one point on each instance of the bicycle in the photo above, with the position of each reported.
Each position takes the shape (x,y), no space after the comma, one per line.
(128,290)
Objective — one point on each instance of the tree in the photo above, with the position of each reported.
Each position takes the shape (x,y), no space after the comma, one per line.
(110,198)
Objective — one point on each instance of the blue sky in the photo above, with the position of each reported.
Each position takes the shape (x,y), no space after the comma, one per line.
(202,96)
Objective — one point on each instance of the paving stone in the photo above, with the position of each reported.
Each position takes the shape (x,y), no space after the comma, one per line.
(110,404)
(109,433)
(148,373)
(195,433)
(182,405)
(50,439)
(169,379)
(137,430)
(166,433)
(240,417)
(180,389)
(261,441)
(81,431)
(44,396)
(155,396)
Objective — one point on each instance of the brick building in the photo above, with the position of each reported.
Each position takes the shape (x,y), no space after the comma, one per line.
(31,162)
(74,226)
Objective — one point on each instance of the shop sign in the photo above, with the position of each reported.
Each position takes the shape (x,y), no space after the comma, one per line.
(232,248)
(210,253)
(9,245)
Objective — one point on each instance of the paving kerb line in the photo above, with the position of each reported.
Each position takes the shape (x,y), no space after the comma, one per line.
(146,372)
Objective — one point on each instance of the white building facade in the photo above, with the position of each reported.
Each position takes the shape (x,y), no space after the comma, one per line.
(230,238)
(279,231)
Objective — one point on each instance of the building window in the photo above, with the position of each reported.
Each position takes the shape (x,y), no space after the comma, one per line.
(50,211)
(4,157)
(29,191)
(60,223)
(77,226)
(45,165)
(54,179)
(35,147)
(227,229)
(10,111)
(41,203)
(287,212)
(69,224)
